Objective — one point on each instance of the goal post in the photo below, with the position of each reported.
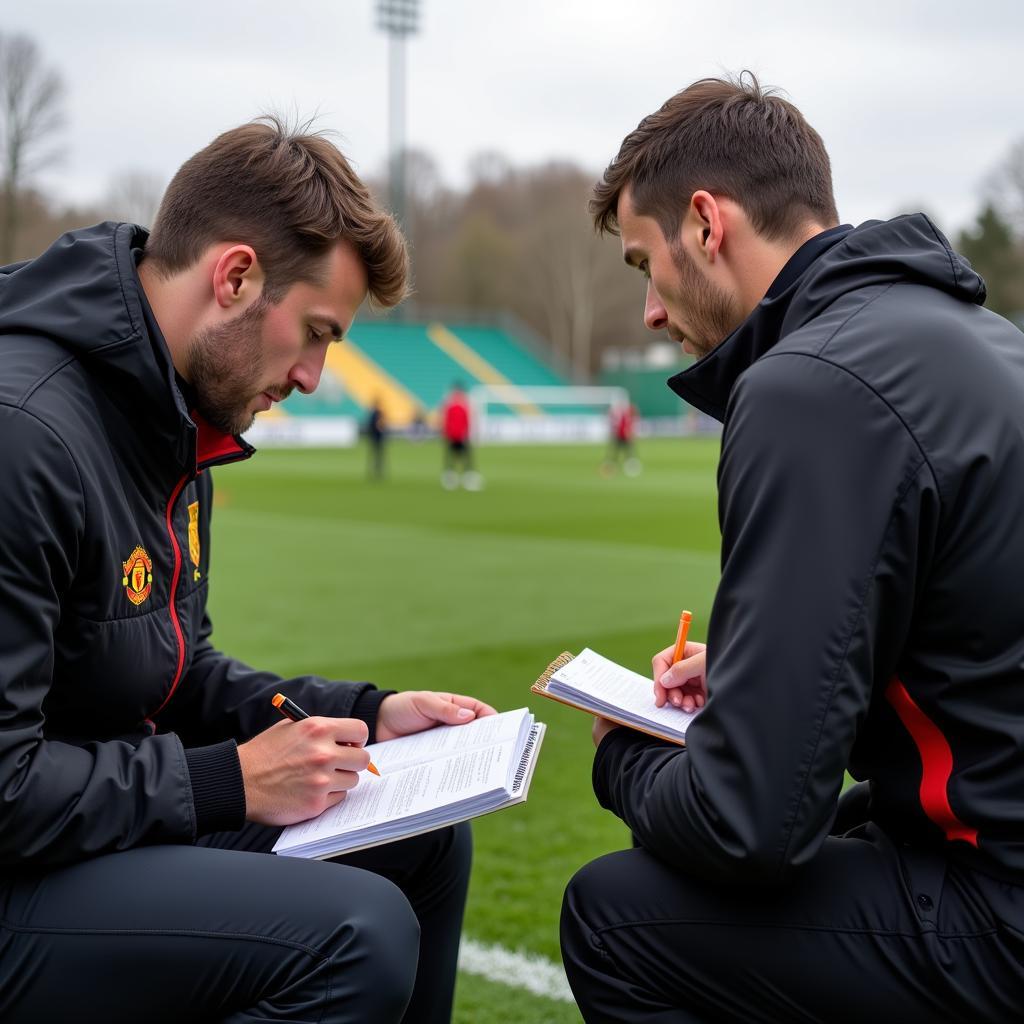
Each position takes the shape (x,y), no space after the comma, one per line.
(558,414)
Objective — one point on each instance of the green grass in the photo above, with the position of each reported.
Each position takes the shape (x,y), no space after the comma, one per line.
(316,569)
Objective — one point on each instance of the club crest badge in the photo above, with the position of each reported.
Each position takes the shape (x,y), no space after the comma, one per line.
(193,533)
(138,575)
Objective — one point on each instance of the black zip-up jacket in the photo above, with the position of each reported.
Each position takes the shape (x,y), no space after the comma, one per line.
(870,613)
(118,718)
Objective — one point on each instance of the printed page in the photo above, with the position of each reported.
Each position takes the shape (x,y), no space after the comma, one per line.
(446,739)
(448,815)
(405,793)
(599,681)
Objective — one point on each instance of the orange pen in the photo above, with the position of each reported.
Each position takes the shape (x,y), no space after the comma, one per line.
(684,628)
(291,710)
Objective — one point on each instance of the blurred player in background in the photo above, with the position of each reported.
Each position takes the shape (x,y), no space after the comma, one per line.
(621,443)
(376,440)
(456,432)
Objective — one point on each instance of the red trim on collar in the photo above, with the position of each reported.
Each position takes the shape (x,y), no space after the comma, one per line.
(212,444)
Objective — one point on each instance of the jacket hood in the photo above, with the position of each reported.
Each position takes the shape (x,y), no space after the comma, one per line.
(84,294)
(906,249)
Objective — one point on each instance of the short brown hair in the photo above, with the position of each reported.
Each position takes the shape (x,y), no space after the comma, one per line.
(292,196)
(732,138)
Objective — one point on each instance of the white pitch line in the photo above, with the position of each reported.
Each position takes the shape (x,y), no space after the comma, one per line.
(530,971)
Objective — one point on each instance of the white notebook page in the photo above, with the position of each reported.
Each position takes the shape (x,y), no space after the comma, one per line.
(420,788)
(595,678)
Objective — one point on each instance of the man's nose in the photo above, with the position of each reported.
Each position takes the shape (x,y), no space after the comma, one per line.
(655,315)
(307,371)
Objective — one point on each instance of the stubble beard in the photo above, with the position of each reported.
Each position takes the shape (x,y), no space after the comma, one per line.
(224,365)
(712,312)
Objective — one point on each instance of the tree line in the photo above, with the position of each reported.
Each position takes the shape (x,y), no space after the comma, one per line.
(513,239)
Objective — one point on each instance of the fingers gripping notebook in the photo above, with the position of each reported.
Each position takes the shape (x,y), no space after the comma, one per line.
(596,684)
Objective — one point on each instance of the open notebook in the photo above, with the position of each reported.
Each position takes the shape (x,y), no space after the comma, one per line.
(593,683)
(427,780)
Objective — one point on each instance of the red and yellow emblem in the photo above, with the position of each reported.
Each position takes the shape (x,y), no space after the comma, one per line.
(193,533)
(138,575)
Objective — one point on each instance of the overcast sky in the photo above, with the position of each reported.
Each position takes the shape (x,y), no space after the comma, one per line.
(917,100)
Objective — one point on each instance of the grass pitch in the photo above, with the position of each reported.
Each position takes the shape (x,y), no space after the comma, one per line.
(318,569)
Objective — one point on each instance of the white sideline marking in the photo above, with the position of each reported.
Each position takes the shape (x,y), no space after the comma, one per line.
(530,971)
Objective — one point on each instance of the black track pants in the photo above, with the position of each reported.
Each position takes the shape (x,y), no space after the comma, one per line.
(866,933)
(207,934)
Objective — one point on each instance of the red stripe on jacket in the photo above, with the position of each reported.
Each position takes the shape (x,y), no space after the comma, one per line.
(936,763)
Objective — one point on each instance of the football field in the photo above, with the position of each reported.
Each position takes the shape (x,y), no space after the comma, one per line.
(318,569)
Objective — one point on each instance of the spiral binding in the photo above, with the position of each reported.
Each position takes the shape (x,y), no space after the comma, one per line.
(524,761)
(560,662)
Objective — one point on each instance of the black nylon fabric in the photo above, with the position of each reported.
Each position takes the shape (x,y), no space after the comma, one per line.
(99,460)
(871,496)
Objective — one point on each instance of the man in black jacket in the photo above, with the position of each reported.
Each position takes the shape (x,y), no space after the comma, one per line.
(144,776)
(869,616)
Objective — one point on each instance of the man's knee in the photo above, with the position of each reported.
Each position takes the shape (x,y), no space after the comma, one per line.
(383,925)
(583,895)
(375,946)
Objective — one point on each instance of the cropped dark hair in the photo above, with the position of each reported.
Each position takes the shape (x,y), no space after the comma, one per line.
(729,137)
(292,196)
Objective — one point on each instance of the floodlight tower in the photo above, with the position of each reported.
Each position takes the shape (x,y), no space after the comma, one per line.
(399,18)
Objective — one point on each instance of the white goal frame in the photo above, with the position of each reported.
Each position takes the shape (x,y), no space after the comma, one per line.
(531,423)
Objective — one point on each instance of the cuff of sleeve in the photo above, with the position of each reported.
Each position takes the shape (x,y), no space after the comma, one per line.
(598,771)
(367,707)
(218,792)
(608,760)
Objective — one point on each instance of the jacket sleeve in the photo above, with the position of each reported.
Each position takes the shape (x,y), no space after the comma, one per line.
(60,802)
(823,494)
(221,697)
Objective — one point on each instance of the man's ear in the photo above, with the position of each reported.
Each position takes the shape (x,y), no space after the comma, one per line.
(706,222)
(237,277)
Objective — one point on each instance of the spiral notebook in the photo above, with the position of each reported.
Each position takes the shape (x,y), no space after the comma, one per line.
(427,780)
(596,684)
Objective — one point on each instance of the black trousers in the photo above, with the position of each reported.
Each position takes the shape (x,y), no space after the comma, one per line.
(225,932)
(458,453)
(869,932)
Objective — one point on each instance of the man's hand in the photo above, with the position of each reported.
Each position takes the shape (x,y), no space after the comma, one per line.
(415,710)
(683,684)
(601,729)
(294,770)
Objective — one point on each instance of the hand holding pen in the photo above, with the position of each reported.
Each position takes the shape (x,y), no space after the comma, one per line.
(297,769)
(291,710)
(679,671)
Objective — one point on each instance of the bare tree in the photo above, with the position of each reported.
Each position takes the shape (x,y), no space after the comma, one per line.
(520,240)
(30,113)
(134,196)
(575,278)
(1004,188)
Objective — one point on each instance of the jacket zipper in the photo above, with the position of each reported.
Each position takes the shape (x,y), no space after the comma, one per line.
(212,449)
(172,607)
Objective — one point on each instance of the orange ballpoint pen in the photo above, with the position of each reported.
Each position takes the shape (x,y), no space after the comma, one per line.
(291,710)
(684,628)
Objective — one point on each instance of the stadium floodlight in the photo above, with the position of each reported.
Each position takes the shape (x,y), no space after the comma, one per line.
(398,16)
(399,19)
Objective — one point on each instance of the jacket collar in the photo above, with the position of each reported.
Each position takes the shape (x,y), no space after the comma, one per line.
(707,384)
(198,444)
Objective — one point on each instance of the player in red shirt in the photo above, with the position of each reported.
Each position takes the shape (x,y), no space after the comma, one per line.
(622,421)
(458,452)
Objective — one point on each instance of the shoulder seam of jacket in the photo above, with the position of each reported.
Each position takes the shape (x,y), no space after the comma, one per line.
(63,444)
(37,384)
(819,357)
